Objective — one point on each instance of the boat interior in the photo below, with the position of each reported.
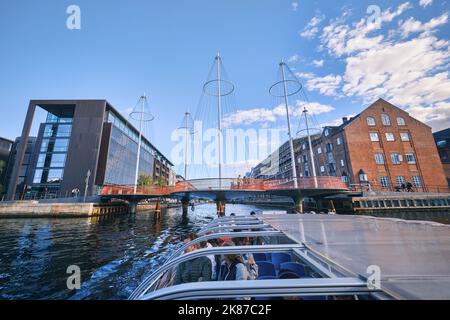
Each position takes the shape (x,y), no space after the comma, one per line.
(315,257)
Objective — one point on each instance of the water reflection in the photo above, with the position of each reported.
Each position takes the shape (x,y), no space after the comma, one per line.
(114,253)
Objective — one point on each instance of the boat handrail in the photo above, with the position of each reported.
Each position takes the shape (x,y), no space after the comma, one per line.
(231,219)
(223,235)
(266,288)
(150,281)
(236,227)
(232,222)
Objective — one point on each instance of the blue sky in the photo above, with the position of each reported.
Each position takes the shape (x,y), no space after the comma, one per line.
(165,48)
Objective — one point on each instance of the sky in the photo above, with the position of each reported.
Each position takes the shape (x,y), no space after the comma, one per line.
(347,55)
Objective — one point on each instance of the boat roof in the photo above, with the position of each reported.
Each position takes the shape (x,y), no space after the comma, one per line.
(413,257)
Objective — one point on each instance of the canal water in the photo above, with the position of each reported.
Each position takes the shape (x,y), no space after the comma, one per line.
(114,254)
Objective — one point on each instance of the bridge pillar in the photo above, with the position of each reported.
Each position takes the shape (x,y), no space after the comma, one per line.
(185,206)
(298,204)
(220,208)
(132,207)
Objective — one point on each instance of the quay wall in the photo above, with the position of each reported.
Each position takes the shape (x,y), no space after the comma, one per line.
(35,209)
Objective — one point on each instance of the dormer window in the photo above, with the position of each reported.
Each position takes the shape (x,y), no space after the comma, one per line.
(327,132)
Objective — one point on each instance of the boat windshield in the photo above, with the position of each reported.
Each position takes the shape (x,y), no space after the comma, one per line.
(277,266)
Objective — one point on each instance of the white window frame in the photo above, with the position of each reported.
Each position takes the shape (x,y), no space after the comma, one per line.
(413,155)
(371,121)
(372,135)
(401,122)
(405,138)
(390,136)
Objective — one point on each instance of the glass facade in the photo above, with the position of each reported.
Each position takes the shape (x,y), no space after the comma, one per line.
(52,153)
(121,163)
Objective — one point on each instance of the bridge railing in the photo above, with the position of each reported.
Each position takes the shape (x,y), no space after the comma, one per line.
(206,185)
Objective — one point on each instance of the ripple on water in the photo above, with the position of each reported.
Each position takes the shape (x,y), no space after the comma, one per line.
(114,253)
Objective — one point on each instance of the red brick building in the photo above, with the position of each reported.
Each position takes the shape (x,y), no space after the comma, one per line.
(382,148)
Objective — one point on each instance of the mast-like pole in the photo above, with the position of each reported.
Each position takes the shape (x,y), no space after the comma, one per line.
(311,152)
(219,109)
(186,147)
(291,140)
(143,98)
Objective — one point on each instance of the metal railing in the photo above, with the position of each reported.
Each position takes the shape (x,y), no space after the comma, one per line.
(237,185)
(149,282)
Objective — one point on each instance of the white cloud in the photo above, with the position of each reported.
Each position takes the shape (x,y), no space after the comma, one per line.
(425,3)
(341,39)
(294,5)
(411,25)
(311,28)
(262,115)
(412,73)
(305,75)
(318,63)
(294,58)
(325,85)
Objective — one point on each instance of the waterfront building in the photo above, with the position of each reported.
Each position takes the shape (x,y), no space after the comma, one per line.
(26,171)
(442,139)
(85,140)
(5,149)
(380,149)
(278,165)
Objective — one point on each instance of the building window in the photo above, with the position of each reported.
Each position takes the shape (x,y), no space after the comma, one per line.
(64,130)
(338,141)
(322,169)
(345,179)
(396,158)
(417,182)
(404,136)
(327,132)
(55,175)
(58,160)
(319,150)
(400,180)
(305,159)
(329,147)
(410,158)
(61,145)
(441,143)
(371,121)
(342,163)
(390,136)
(401,121)
(304,146)
(384,182)
(37,176)
(379,158)
(41,160)
(49,130)
(374,137)
(385,119)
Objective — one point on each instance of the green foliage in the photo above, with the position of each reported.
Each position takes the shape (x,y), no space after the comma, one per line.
(145,180)
(161,182)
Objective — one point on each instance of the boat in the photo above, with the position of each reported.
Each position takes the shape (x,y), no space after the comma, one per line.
(334,257)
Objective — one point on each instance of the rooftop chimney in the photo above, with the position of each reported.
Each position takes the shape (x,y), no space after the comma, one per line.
(344,120)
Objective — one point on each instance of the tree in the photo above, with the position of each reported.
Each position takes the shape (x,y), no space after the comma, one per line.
(145,180)
(161,182)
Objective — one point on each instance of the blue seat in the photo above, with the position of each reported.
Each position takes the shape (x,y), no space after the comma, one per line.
(267,278)
(294,267)
(266,269)
(259,257)
(279,258)
(288,275)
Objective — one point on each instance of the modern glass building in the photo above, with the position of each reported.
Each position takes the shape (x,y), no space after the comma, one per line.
(81,137)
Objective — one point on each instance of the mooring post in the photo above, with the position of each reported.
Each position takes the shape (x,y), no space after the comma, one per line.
(220,208)
(157,211)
